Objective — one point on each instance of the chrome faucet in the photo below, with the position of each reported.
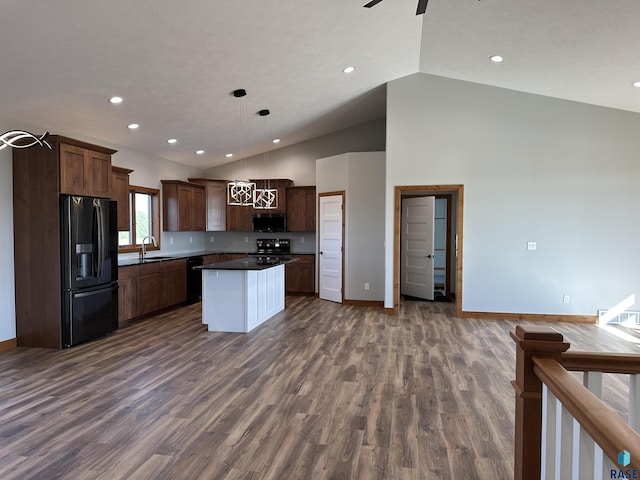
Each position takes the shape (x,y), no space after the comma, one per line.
(143,250)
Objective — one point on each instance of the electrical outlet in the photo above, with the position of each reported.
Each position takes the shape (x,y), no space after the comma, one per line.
(211,239)
(190,239)
(531,245)
(565,299)
(170,240)
(301,239)
(366,286)
(246,239)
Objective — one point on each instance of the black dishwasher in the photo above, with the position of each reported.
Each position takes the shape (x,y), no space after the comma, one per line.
(194,279)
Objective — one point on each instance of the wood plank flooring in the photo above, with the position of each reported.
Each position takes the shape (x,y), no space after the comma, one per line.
(321,391)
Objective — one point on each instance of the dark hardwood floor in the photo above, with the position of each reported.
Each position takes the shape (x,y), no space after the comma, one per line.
(321,391)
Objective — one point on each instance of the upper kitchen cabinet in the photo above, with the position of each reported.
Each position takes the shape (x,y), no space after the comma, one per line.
(120,193)
(301,209)
(73,167)
(84,169)
(215,203)
(183,206)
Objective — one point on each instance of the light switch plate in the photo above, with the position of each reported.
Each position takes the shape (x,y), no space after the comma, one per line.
(531,245)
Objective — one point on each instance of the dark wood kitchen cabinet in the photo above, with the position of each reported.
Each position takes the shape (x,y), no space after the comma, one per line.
(301,209)
(120,193)
(300,275)
(183,206)
(150,287)
(85,171)
(239,218)
(128,292)
(40,175)
(174,282)
(215,192)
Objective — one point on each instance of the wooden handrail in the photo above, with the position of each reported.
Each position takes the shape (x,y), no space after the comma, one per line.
(601,362)
(605,427)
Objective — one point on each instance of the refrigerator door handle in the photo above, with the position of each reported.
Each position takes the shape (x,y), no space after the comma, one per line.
(94,292)
(100,220)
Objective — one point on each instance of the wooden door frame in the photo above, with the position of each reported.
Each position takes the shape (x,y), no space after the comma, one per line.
(435,191)
(341,193)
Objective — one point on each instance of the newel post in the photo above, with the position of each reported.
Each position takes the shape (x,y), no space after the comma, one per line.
(531,341)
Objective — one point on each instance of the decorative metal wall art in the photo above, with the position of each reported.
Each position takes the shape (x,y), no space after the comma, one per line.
(22,139)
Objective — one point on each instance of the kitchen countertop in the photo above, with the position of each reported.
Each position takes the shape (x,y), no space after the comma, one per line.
(152,257)
(250,263)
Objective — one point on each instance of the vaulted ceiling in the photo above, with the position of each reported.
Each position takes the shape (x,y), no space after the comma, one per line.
(175,63)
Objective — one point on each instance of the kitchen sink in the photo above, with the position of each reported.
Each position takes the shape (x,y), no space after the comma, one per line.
(156,259)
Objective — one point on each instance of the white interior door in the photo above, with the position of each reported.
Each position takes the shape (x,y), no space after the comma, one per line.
(330,248)
(416,247)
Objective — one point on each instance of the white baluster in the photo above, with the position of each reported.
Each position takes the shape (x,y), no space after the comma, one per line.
(590,455)
(564,467)
(547,449)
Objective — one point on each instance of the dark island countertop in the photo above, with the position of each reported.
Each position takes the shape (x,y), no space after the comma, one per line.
(249,263)
(155,257)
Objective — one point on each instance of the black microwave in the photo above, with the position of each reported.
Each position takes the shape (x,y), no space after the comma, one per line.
(269,222)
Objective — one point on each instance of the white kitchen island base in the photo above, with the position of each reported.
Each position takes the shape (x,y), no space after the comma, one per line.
(240,300)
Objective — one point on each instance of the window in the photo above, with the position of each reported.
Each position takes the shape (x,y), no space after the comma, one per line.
(144,219)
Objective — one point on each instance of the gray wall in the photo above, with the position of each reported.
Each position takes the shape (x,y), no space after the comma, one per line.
(298,162)
(361,176)
(534,168)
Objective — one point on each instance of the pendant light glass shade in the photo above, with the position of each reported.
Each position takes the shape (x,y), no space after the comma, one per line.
(240,192)
(265,198)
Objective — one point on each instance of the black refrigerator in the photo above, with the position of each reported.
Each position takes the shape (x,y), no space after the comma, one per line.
(89,268)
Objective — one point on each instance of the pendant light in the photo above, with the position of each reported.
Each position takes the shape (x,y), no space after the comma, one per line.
(241,192)
(265,198)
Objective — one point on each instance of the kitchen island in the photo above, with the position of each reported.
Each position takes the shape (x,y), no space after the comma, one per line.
(239,295)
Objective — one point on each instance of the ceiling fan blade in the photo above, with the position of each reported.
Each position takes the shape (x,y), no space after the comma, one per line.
(372,3)
(422,7)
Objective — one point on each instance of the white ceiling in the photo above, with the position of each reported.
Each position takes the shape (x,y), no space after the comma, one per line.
(177,62)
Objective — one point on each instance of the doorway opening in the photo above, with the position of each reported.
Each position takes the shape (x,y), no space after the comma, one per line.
(451,282)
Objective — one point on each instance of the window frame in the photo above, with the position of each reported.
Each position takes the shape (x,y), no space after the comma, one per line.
(154,193)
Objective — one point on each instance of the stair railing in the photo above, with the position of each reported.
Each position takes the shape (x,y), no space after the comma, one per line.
(563,430)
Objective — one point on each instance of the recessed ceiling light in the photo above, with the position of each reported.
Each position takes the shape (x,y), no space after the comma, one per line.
(116,100)
(496,59)
(172,141)
(229,155)
(636,84)
(133,126)
(199,152)
(276,140)
(348,69)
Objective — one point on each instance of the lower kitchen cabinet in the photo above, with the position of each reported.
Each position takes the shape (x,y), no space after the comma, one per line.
(300,276)
(150,287)
(128,292)
(174,282)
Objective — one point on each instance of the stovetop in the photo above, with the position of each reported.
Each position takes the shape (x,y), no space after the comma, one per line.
(273,246)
